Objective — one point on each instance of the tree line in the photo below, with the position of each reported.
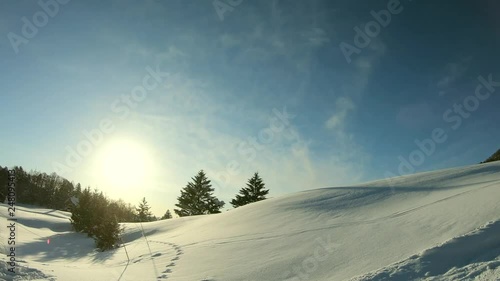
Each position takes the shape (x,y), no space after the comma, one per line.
(41,189)
(93,213)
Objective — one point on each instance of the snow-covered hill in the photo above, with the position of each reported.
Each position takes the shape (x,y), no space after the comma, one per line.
(442,225)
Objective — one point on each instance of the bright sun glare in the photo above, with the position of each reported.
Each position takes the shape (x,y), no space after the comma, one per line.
(124,163)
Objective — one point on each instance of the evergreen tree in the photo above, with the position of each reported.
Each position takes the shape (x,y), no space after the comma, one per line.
(253,192)
(81,212)
(62,195)
(107,233)
(494,157)
(25,192)
(143,211)
(99,205)
(52,184)
(167,215)
(4,181)
(197,198)
(78,189)
(92,214)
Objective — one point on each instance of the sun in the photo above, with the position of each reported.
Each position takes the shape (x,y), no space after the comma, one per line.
(124,164)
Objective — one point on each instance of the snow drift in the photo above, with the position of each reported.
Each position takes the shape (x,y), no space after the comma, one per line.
(441,225)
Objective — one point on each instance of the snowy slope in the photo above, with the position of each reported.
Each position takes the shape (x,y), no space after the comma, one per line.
(442,225)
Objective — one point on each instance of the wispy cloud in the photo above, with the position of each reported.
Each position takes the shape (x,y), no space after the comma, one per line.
(316,37)
(343,106)
(451,73)
(353,90)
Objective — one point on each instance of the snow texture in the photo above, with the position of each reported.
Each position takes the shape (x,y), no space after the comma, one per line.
(442,225)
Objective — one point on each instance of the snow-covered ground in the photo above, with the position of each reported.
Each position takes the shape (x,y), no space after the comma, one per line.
(442,225)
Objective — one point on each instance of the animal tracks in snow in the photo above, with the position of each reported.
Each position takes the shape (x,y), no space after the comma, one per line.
(177,253)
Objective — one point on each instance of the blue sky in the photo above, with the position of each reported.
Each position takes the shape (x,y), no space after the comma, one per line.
(225,79)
